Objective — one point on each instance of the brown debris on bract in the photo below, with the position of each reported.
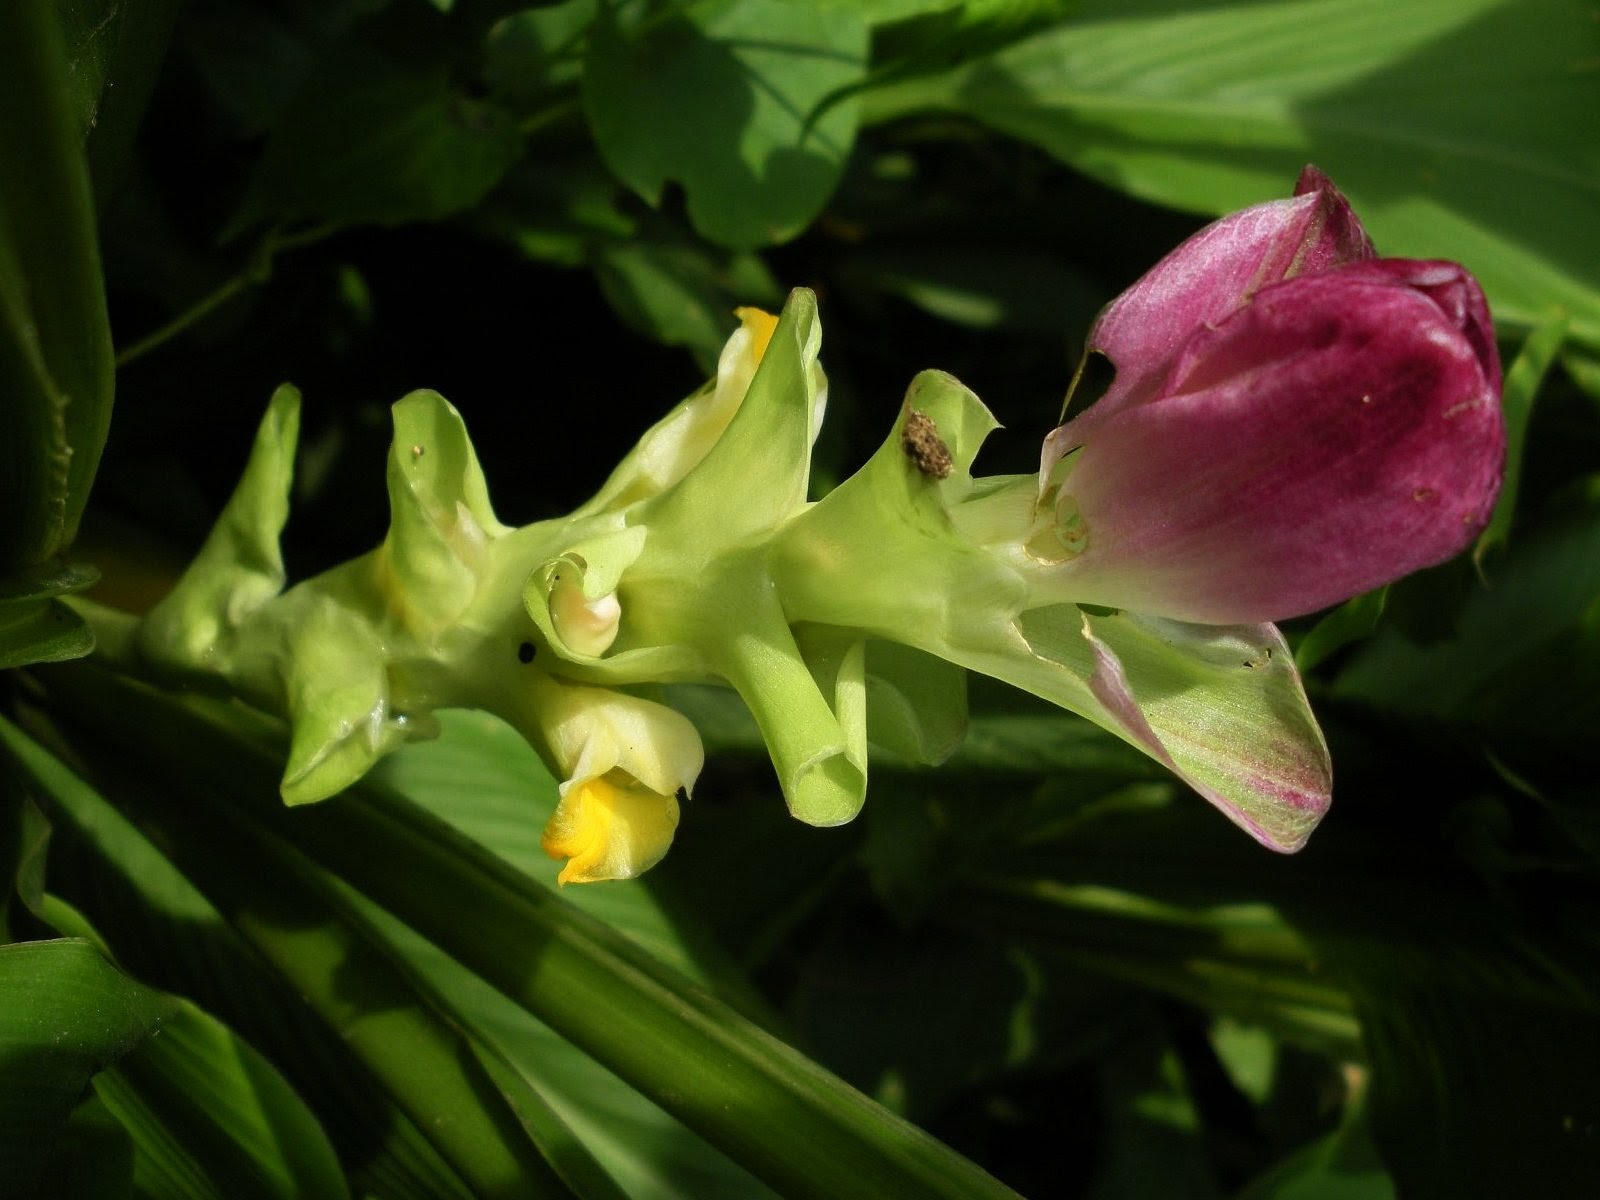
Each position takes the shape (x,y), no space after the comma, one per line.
(924,447)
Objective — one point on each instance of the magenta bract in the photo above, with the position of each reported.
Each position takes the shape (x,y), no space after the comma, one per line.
(1292,422)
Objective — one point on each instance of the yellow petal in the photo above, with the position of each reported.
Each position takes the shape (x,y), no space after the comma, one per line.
(759,325)
(610,828)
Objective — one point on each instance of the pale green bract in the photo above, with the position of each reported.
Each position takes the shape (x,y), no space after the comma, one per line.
(702,560)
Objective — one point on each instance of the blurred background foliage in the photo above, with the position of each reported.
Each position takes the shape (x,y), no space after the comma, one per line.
(1044,953)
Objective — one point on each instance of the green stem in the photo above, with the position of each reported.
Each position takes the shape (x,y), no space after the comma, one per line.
(259,271)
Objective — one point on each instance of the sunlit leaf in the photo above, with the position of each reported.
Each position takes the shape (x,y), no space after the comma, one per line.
(733,102)
(1214,108)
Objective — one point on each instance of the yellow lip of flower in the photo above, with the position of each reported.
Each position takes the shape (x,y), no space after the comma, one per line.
(626,760)
(759,325)
(612,827)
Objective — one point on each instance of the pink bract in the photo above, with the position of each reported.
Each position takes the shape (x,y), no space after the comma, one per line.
(1292,422)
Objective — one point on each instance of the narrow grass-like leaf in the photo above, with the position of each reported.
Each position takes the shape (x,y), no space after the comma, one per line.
(1353,620)
(1521,387)
(426,1067)
(1243,961)
(342,969)
(34,625)
(203,1103)
(770,1108)
(210,1117)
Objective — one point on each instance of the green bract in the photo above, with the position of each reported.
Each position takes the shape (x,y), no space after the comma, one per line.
(702,560)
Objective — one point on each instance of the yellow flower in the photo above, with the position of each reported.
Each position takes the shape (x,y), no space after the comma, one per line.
(625,760)
(677,443)
(609,828)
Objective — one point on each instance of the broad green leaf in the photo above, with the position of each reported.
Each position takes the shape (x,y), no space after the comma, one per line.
(603,1137)
(24,842)
(880,12)
(736,103)
(368,141)
(55,342)
(65,1014)
(483,777)
(682,292)
(201,1102)
(115,52)
(531,53)
(1217,107)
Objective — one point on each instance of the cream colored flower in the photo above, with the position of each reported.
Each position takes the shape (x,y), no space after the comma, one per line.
(625,761)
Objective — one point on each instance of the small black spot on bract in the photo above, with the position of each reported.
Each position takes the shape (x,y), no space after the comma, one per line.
(526,651)
(924,447)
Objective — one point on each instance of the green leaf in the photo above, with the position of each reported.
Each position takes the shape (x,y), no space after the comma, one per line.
(1343,1165)
(55,341)
(34,625)
(681,292)
(1520,656)
(210,1117)
(1353,620)
(1521,387)
(678,1045)
(115,52)
(1217,107)
(157,921)
(1241,960)
(733,101)
(483,778)
(41,631)
(295,919)
(93,1157)
(1490,1033)
(65,1014)
(368,141)
(202,1104)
